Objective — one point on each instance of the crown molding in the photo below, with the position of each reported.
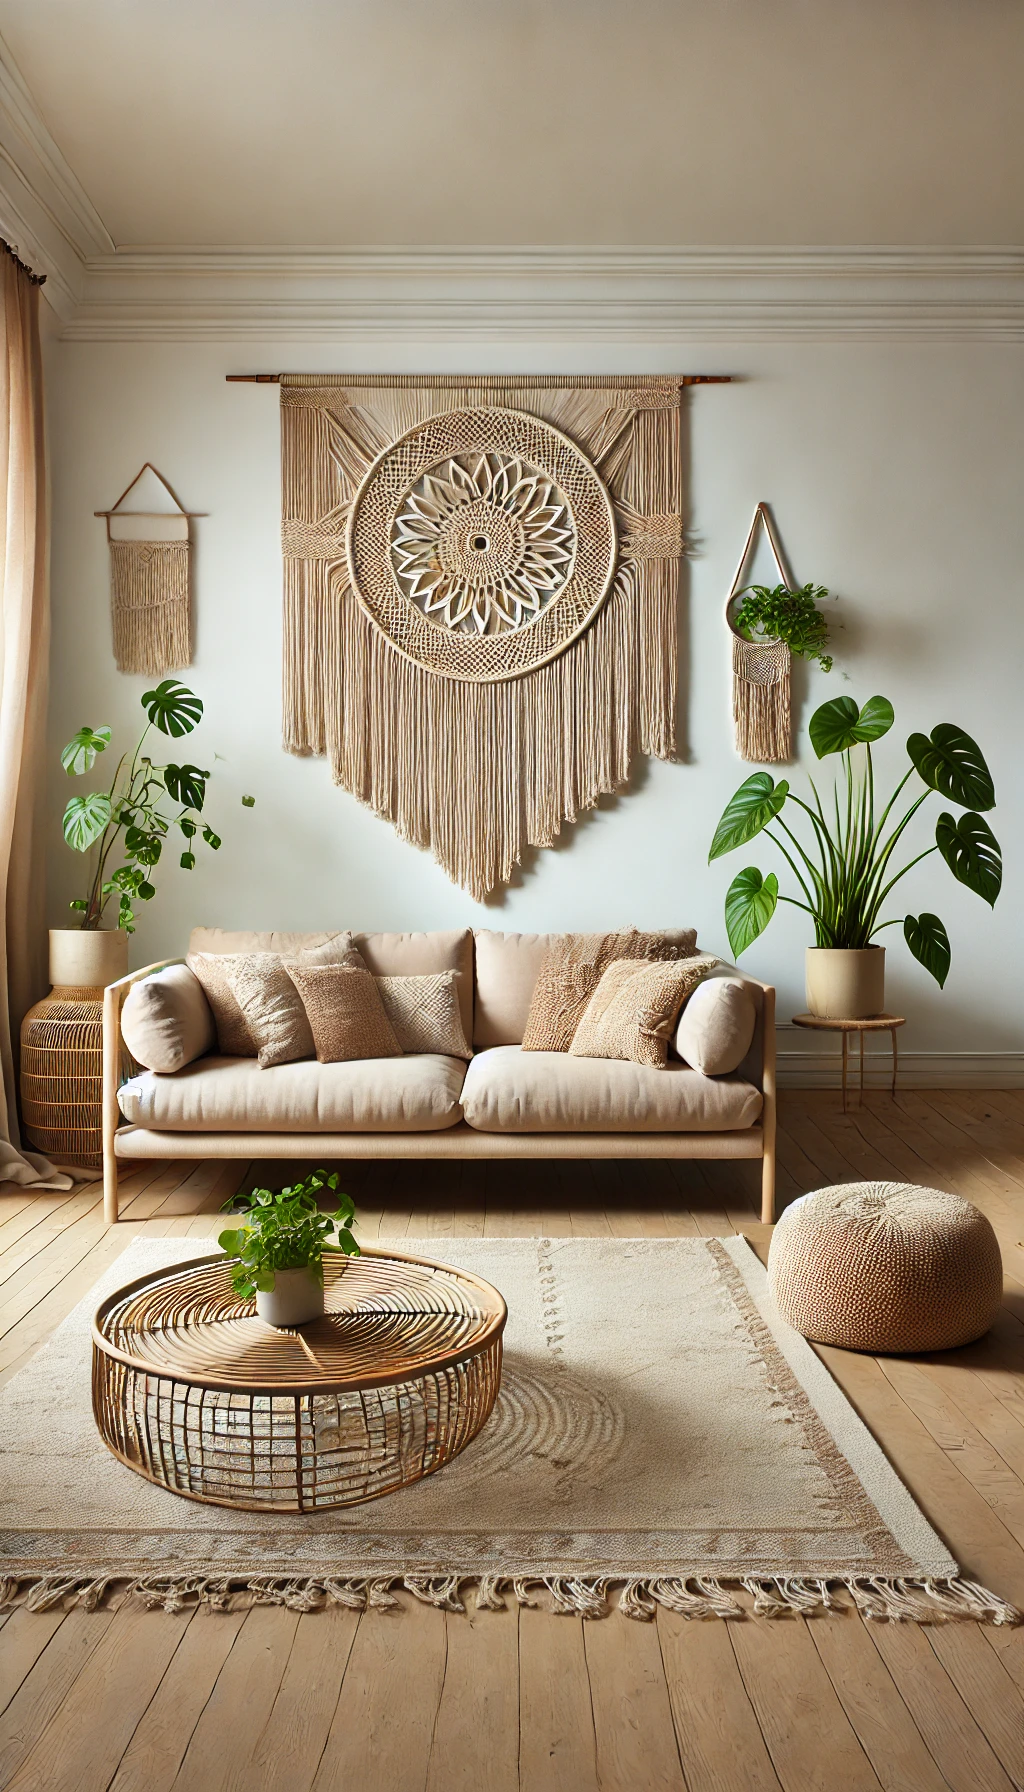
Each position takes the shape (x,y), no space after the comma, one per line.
(394,296)
(45,212)
(536,294)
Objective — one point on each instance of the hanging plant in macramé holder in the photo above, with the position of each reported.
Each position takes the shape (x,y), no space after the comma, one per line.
(150,602)
(761,700)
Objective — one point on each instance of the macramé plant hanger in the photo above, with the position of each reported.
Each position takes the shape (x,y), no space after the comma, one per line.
(761,700)
(150,554)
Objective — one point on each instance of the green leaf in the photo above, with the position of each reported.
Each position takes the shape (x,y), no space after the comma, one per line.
(85,819)
(79,905)
(952,763)
(80,753)
(173,708)
(186,784)
(840,724)
(228,1241)
(929,942)
(756,803)
(972,853)
(188,828)
(146,892)
(750,903)
(187,861)
(248,802)
(213,840)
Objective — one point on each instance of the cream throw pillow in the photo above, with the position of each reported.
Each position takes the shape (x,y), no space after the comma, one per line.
(716,1026)
(235,1037)
(424,1013)
(166,1021)
(634,1007)
(345,1012)
(572,969)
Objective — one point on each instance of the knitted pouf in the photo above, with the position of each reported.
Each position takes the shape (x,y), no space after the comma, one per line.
(886,1266)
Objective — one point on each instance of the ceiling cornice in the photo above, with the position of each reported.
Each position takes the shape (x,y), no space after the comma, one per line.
(543,294)
(540,294)
(45,213)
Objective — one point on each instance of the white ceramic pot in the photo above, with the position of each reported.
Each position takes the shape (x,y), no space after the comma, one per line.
(295,1298)
(87,960)
(845,983)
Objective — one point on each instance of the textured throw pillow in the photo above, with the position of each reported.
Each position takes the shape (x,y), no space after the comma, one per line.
(166,1020)
(572,969)
(716,1026)
(271,1008)
(234,1035)
(345,1012)
(424,1013)
(633,1009)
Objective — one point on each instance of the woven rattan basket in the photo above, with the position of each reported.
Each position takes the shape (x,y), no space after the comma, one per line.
(61,1075)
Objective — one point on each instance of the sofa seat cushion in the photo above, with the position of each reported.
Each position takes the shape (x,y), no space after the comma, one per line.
(509,1090)
(405,1094)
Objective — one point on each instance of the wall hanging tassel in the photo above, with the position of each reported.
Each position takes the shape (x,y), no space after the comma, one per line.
(150,600)
(761,699)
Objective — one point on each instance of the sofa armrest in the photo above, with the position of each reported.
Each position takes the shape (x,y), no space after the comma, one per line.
(118,1066)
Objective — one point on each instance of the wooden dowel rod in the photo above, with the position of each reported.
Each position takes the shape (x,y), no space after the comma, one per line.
(686,379)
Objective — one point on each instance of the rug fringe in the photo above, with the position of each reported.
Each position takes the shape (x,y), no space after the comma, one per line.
(897,1600)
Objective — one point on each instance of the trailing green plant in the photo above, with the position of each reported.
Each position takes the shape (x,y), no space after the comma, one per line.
(287,1229)
(844,865)
(131,819)
(779,613)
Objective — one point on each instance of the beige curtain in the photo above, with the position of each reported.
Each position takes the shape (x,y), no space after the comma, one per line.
(24,651)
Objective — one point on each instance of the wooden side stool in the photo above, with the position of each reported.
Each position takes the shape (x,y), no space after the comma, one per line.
(878,1023)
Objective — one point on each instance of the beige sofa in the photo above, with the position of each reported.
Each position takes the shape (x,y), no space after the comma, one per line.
(504,1103)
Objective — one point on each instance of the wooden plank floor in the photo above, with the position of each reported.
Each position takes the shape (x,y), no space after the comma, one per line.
(433,1702)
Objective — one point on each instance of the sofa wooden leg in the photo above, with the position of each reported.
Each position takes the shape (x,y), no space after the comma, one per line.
(109,1187)
(768,1186)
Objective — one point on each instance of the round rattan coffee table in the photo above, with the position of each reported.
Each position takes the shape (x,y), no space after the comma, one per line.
(194,1391)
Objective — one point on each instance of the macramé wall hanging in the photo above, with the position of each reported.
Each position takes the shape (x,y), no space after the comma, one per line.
(761,699)
(150,602)
(481,583)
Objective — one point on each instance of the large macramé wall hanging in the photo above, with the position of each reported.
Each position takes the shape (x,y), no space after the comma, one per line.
(761,693)
(481,583)
(150,567)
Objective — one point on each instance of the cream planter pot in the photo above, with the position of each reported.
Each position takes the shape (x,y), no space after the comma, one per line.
(83,960)
(295,1298)
(845,984)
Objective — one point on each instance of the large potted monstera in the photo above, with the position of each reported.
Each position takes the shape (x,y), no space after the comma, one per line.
(132,820)
(846,852)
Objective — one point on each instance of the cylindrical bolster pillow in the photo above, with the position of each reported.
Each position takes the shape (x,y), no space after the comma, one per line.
(716,1026)
(166,1020)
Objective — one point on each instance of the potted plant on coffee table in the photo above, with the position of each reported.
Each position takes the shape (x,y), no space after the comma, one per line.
(279,1250)
(849,858)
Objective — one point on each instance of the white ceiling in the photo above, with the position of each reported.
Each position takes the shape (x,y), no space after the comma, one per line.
(338,122)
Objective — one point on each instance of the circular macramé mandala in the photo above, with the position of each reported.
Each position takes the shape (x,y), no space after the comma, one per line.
(481,543)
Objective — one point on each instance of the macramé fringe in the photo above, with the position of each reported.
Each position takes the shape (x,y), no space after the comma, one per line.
(924,1601)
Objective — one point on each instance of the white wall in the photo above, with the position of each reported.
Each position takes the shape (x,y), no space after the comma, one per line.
(894,471)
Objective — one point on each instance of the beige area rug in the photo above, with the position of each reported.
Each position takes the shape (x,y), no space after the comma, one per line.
(661,1438)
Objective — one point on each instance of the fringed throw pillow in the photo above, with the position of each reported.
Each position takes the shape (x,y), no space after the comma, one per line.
(345,1012)
(634,1007)
(572,969)
(424,1013)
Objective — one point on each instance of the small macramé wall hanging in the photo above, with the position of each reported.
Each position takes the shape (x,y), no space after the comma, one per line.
(761,693)
(481,597)
(150,581)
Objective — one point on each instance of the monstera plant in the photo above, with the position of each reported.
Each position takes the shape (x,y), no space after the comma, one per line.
(133,818)
(847,851)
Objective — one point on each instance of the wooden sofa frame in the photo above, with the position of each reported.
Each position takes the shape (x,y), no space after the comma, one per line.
(126,1143)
